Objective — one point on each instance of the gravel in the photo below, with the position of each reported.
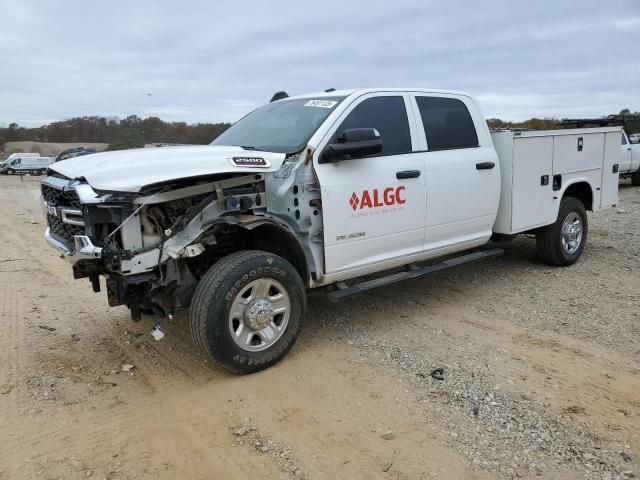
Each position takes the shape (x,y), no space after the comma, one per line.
(483,416)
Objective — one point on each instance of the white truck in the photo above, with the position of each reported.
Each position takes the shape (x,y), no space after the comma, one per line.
(317,191)
(630,161)
(26,163)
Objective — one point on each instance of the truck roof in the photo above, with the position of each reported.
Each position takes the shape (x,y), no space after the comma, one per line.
(362,91)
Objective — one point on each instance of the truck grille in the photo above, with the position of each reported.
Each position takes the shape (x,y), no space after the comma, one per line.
(63,231)
(63,211)
(54,196)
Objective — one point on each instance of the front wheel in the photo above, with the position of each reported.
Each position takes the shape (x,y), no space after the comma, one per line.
(10,171)
(247,310)
(635,178)
(562,242)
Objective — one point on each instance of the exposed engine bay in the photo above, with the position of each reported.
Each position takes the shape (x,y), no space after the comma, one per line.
(154,245)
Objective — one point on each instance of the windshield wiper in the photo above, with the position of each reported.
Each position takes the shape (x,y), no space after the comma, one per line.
(247,147)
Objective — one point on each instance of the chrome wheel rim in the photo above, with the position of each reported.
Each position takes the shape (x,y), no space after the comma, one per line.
(259,315)
(572,231)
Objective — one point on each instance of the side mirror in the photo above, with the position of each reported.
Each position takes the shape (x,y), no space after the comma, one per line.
(353,143)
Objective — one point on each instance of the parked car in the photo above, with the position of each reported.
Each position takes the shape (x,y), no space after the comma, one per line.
(634,138)
(26,164)
(74,152)
(316,191)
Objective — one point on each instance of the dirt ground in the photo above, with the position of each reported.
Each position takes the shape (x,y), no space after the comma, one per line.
(541,374)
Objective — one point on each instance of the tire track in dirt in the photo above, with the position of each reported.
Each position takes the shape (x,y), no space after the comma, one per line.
(10,346)
(12,312)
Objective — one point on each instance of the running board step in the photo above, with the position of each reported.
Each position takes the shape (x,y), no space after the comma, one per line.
(406,275)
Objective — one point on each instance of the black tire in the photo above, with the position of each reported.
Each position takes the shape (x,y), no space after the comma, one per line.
(635,178)
(549,239)
(212,300)
(10,171)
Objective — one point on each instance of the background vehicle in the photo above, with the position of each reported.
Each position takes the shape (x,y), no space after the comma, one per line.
(74,152)
(634,138)
(629,166)
(630,161)
(17,155)
(22,155)
(30,164)
(317,191)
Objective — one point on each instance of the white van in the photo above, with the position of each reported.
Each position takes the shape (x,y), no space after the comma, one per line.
(26,163)
(21,155)
(7,160)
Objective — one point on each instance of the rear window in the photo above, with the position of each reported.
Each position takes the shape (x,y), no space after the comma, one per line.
(447,123)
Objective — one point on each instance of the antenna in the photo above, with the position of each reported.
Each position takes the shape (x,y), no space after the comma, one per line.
(279,96)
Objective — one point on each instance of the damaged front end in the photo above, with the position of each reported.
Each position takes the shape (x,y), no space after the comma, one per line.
(154,245)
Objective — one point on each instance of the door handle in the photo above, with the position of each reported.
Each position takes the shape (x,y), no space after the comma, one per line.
(485,165)
(407,174)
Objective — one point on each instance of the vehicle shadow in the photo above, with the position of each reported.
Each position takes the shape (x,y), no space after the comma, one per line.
(177,357)
(429,292)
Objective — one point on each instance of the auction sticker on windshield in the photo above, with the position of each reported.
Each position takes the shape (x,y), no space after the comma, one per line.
(321,103)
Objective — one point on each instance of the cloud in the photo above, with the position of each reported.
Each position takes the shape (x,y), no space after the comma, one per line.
(214,61)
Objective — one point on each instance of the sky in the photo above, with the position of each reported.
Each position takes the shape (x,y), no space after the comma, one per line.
(214,61)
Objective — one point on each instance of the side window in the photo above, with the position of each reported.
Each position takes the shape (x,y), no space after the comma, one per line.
(624,139)
(388,115)
(447,123)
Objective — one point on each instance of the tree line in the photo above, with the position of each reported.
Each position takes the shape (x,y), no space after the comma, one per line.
(551,123)
(133,131)
(129,132)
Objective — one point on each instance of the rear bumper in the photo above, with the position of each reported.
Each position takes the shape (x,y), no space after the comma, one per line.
(83,249)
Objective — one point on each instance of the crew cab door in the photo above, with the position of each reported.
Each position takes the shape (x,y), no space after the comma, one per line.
(373,207)
(462,171)
(626,159)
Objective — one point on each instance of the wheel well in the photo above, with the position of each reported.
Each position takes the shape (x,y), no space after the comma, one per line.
(581,191)
(276,240)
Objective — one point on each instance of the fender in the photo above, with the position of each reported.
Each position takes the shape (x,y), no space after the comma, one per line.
(301,251)
(582,183)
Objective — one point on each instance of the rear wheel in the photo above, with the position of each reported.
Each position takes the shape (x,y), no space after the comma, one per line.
(635,178)
(562,242)
(247,310)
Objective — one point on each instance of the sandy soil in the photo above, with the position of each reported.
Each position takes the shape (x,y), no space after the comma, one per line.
(541,374)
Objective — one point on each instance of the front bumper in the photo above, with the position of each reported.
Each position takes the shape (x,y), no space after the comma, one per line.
(83,248)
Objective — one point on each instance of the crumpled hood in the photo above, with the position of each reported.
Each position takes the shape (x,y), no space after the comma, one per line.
(131,170)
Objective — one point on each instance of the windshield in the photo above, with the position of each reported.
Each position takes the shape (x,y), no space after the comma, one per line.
(284,126)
